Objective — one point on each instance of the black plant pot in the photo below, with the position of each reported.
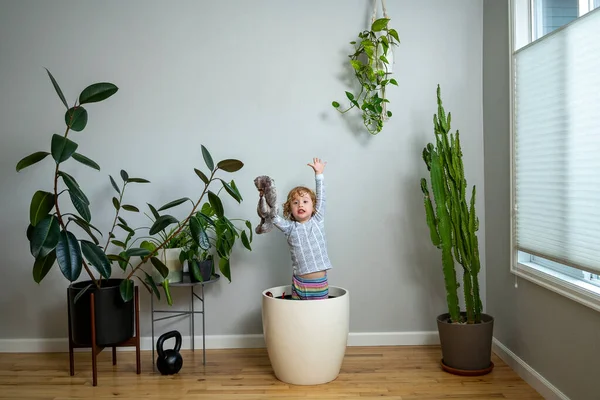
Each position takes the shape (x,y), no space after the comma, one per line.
(114,318)
(202,269)
(466,348)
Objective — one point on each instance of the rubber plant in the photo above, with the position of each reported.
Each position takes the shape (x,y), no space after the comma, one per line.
(50,231)
(452,222)
(371,68)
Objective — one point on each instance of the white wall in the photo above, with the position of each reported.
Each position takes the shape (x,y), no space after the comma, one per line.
(254,81)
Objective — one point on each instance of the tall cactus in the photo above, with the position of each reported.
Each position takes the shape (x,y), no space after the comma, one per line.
(453,224)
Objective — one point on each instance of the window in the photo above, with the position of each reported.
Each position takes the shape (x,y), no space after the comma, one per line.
(556,145)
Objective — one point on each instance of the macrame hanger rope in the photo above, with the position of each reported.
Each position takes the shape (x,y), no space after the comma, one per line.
(385,15)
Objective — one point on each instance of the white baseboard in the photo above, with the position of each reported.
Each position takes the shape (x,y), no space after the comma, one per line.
(528,374)
(226,342)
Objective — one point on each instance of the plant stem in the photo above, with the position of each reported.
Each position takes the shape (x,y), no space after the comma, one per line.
(181,226)
(59,215)
(116,216)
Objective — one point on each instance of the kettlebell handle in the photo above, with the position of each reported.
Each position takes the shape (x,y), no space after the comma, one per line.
(168,335)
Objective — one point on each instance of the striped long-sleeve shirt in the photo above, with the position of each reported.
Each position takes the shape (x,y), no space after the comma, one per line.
(308,244)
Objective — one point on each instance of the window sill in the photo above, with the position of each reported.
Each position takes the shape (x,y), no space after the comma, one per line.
(565,285)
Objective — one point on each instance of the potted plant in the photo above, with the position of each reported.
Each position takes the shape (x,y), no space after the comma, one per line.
(466,337)
(370,62)
(221,234)
(53,238)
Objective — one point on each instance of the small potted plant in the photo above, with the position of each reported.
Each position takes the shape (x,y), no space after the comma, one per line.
(370,63)
(219,235)
(466,337)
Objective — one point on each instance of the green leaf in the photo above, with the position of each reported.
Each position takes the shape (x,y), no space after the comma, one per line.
(245,241)
(150,281)
(201,175)
(31,159)
(62,148)
(86,161)
(153,210)
(160,267)
(195,270)
(389,113)
(199,234)
(95,255)
(206,217)
(174,203)
(114,184)
(76,118)
(124,175)
(44,236)
(230,165)
(131,208)
(42,266)
(126,289)
(393,82)
(116,203)
(379,24)
(81,206)
(350,96)
(385,60)
(225,268)
(118,243)
(73,186)
(207,210)
(68,254)
(88,224)
(394,34)
(207,158)
(83,224)
(41,204)
(97,92)
(357,65)
(137,180)
(249,226)
(57,88)
(335,104)
(236,190)
(161,223)
(124,262)
(148,246)
(231,191)
(165,285)
(136,251)
(216,204)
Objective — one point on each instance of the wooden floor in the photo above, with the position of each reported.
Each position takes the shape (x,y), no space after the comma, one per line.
(402,372)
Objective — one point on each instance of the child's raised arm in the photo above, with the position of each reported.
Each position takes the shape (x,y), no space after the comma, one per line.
(318,166)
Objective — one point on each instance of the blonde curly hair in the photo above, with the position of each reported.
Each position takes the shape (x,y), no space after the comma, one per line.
(298,191)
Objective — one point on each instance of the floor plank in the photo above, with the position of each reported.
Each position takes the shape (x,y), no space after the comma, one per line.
(396,372)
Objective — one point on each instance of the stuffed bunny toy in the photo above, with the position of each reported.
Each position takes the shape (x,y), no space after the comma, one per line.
(267,203)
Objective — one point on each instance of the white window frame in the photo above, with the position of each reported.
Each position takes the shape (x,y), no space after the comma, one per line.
(545,273)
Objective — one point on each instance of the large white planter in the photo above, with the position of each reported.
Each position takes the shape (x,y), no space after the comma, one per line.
(306,339)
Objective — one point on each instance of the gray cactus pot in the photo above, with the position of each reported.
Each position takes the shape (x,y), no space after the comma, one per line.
(466,348)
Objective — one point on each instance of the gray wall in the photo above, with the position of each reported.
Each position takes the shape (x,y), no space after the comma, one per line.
(254,81)
(554,335)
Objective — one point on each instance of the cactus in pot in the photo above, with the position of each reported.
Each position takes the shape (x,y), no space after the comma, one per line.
(452,221)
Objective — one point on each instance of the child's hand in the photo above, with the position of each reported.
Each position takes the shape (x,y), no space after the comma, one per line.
(317,165)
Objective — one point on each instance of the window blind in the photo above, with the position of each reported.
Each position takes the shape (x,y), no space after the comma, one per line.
(557,145)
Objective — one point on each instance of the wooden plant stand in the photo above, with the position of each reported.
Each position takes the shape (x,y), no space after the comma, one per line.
(134,341)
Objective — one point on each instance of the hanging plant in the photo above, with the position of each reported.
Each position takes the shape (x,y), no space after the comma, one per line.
(372,61)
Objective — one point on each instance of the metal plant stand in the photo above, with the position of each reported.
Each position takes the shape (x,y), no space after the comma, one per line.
(178,313)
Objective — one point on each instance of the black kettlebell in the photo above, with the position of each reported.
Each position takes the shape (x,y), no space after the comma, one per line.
(169,362)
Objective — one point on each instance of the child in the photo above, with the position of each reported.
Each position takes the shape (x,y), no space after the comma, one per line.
(304,228)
